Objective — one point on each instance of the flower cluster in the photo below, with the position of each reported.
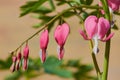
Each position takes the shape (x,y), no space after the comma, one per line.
(61,33)
(19,58)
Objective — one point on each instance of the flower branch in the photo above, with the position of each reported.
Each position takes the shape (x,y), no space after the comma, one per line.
(52,20)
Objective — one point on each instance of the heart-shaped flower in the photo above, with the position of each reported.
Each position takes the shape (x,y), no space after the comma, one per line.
(44,39)
(25,57)
(96,28)
(114,4)
(61,34)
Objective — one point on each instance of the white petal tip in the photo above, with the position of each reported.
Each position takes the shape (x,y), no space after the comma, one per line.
(95,50)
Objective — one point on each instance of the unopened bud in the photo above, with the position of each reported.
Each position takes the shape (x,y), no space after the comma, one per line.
(14,59)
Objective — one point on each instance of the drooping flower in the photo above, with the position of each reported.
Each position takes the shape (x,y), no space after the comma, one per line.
(96,28)
(44,39)
(14,59)
(114,4)
(25,57)
(61,34)
(18,61)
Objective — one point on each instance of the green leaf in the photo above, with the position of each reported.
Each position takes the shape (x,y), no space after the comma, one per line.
(61,2)
(30,6)
(52,4)
(82,73)
(6,64)
(45,19)
(73,63)
(68,14)
(84,15)
(53,66)
(14,76)
(87,2)
(42,10)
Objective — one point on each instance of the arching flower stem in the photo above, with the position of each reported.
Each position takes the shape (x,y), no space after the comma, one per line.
(53,19)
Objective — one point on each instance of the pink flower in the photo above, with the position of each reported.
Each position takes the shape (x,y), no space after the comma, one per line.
(18,61)
(61,34)
(114,4)
(44,39)
(14,59)
(96,28)
(25,57)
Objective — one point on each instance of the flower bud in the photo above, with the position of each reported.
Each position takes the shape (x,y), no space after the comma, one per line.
(14,59)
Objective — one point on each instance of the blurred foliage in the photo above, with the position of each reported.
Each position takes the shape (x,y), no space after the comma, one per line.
(70,69)
(45,10)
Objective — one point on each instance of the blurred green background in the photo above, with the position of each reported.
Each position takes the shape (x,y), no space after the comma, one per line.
(13,30)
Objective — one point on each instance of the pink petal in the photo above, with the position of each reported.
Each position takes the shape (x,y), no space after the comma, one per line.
(114,4)
(91,26)
(61,34)
(12,67)
(18,61)
(44,39)
(26,51)
(60,52)
(108,37)
(25,64)
(17,65)
(103,27)
(19,56)
(83,35)
(43,55)
(14,59)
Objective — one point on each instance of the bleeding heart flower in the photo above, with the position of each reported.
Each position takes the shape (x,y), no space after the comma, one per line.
(44,39)
(18,61)
(14,59)
(96,28)
(25,57)
(114,4)
(61,34)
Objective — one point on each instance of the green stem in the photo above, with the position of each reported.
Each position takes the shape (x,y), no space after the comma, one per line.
(95,61)
(107,46)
